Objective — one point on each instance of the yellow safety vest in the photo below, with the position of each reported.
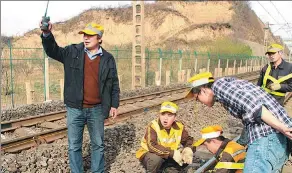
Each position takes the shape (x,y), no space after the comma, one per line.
(238,153)
(171,140)
(278,81)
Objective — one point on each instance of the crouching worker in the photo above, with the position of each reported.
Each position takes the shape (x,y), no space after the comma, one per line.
(229,155)
(166,145)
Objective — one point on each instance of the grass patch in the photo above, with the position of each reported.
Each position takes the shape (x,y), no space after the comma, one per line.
(228,46)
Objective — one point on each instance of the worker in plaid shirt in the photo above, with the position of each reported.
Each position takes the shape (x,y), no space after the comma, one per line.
(267,123)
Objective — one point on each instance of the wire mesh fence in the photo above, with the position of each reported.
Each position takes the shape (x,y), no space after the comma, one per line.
(29,76)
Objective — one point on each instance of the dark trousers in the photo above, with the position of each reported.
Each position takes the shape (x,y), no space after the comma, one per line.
(155,164)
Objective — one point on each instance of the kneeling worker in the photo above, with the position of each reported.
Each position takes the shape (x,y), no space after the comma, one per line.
(229,155)
(166,145)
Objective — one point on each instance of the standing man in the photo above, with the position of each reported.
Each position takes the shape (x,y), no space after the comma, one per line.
(276,77)
(91,91)
(265,120)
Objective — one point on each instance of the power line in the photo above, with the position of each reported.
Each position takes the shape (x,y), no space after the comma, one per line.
(279,29)
(272,17)
(268,12)
(282,17)
(279,23)
(279,13)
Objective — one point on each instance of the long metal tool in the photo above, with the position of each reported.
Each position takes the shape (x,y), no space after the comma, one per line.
(211,161)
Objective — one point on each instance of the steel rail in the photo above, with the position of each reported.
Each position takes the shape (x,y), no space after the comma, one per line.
(18,144)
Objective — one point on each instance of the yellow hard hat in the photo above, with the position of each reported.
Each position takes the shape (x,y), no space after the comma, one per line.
(198,80)
(273,48)
(209,133)
(92,29)
(169,107)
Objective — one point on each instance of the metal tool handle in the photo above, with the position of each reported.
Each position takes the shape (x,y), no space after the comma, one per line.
(206,165)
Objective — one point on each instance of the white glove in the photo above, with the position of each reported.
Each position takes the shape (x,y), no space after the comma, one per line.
(177,157)
(187,155)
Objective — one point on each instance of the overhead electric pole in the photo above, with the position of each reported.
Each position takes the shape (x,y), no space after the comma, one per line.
(288,43)
(138,48)
(266,29)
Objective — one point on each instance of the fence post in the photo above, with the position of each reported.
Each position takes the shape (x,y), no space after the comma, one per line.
(117,56)
(218,68)
(167,77)
(255,62)
(189,59)
(11,74)
(252,63)
(180,59)
(234,67)
(28,92)
(259,64)
(226,71)
(160,64)
(240,66)
(262,61)
(157,78)
(246,66)
(208,64)
(189,71)
(44,72)
(46,77)
(62,88)
(196,62)
(120,81)
(147,65)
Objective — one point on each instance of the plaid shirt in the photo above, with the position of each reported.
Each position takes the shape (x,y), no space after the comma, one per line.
(244,100)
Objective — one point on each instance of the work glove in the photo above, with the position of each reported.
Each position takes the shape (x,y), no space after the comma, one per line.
(177,157)
(275,86)
(187,155)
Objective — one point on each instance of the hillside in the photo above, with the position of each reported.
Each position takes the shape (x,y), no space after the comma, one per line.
(168,25)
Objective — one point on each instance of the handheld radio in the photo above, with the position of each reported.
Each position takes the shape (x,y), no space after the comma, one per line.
(45,20)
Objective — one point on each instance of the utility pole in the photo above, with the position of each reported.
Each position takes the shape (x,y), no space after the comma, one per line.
(266,32)
(138,46)
(266,29)
(288,43)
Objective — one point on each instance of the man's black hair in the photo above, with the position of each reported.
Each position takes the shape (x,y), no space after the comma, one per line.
(208,85)
(219,138)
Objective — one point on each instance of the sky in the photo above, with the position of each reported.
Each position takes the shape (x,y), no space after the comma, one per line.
(18,17)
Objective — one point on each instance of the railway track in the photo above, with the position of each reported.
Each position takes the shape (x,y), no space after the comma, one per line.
(129,107)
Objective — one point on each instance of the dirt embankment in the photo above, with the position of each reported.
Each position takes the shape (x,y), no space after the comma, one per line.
(168,25)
